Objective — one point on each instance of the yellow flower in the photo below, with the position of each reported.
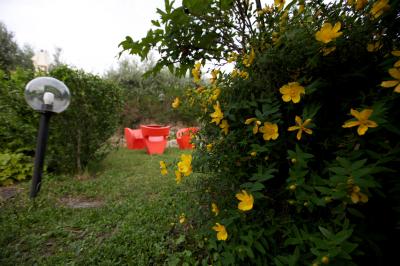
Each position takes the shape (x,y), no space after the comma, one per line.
(396,52)
(196,72)
(178,177)
(224,126)
(379,7)
(234,73)
(163,168)
(300,126)
(279,4)
(253,153)
(246,201)
(215,94)
(244,74)
(328,50)
(395,73)
(176,103)
(249,59)
(209,147)
(221,232)
(327,33)
(214,75)
(292,92)
(362,121)
(182,218)
(270,131)
(214,208)
(373,47)
(232,58)
(185,165)
(218,115)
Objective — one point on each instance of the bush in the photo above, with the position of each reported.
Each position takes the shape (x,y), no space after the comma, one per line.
(304,133)
(79,135)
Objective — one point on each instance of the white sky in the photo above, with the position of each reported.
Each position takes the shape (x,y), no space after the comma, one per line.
(88,31)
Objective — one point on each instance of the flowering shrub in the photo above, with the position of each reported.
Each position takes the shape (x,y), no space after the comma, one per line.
(303,131)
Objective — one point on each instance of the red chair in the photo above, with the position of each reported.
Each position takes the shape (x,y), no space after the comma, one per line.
(155,138)
(184,136)
(134,139)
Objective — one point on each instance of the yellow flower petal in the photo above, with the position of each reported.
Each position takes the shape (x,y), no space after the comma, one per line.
(351,124)
(395,72)
(397,64)
(397,89)
(337,26)
(298,135)
(293,128)
(362,129)
(396,53)
(389,83)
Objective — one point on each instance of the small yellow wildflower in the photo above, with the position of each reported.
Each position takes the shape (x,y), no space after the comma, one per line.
(300,126)
(379,7)
(214,208)
(373,47)
(395,73)
(279,4)
(176,103)
(246,201)
(327,33)
(362,121)
(233,57)
(292,92)
(396,52)
(214,75)
(216,93)
(253,153)
(182,218)
(218,115)
(163,168)
(249,59)
(325,260)
(222,234)
(178,177)
(185,165)
(235,73)
(244,74)
(270,131)
(224,126)
(196,72)
(209,147)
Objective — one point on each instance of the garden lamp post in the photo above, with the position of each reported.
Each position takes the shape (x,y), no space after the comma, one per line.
(46,95)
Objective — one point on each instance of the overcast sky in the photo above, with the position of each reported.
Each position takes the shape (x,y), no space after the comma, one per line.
(88,31)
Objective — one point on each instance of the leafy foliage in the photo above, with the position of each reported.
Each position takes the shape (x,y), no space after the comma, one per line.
(149,98)
(14,167)
(314,71)
(79,134)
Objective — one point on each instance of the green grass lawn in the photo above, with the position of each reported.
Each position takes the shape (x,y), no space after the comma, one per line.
(135,220)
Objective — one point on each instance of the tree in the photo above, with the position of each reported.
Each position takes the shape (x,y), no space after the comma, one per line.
(11,55)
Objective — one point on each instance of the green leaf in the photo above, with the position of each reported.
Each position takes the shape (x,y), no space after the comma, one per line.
(326,232)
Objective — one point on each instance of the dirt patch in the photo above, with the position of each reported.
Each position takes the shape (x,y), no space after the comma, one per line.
(81,202)
(9,192)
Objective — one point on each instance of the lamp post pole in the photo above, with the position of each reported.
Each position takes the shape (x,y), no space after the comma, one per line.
(40,152)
